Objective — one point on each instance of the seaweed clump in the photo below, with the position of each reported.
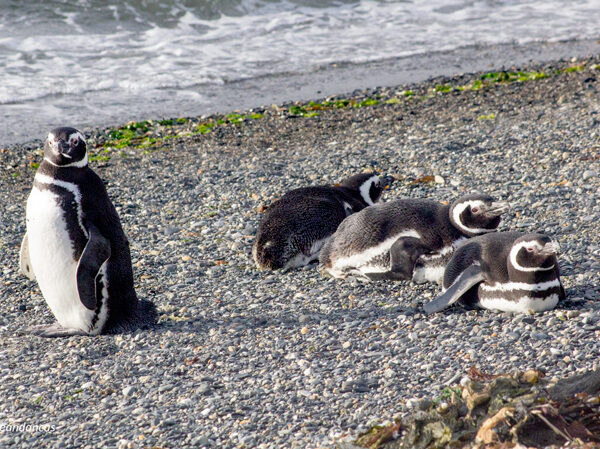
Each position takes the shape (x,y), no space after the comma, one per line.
(521,410)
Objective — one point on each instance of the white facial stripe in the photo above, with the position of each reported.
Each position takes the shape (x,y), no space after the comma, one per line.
(362,258)
(71,188)
(53,143)
(76,135)
(513,257)
(512,286)
(365,187)
(523,304)
(460,208)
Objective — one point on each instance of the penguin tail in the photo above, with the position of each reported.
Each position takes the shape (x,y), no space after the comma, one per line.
(146,313)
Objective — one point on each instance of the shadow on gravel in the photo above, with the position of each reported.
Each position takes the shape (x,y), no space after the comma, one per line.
(295,320)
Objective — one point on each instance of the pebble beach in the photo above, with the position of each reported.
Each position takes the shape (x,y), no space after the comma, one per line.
(243,358)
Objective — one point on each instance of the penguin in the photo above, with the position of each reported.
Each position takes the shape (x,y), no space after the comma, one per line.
(75,247)
(294,228)
(407,238)
(505,271)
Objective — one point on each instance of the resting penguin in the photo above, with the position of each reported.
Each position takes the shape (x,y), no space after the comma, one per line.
(75,247)
(407,238)
(294,228)
(506,271)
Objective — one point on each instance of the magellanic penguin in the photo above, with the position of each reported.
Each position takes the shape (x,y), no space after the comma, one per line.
(407,239)
(75,246)
(294,228)
(506,271)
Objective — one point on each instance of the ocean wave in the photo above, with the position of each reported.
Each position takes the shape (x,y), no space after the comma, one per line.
(136,46)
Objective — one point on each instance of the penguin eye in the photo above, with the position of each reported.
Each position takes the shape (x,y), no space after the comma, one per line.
(75,141)
(529,249)
(475,210)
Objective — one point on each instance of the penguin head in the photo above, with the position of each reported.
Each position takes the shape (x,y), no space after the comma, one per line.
(477,214)
(66,147)
(368,185)
(533,253)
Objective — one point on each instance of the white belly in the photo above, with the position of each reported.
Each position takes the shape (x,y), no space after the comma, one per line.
(525,304)
(362,262)
(51,257)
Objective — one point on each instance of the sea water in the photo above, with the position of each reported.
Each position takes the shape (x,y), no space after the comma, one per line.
(94,62)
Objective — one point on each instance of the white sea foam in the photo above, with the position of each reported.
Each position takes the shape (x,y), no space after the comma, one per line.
(48,51)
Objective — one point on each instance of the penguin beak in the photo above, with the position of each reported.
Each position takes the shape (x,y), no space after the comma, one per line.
(497,208)
(65,149)
(550,249)
(387,181)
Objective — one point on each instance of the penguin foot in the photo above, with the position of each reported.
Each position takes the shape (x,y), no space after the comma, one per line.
(54,330)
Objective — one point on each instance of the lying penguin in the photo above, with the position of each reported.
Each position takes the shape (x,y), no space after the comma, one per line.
(505,271)
(294,228)
(407,238)
(75,247)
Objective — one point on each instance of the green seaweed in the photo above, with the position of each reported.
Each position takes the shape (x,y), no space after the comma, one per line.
(297,110)
(204,128)
(136,134)
(235,118)
(367,102)
(99,158)
(147,142)
(444,88)
(575,68)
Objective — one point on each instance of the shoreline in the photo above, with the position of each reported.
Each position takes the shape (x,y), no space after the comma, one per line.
(271,359)
(330,80)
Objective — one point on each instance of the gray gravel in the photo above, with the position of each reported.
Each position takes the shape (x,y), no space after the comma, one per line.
(244,358)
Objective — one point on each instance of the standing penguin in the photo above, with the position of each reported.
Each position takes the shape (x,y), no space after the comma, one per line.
(75,246)
(506,271)
(407,238)
(294,228)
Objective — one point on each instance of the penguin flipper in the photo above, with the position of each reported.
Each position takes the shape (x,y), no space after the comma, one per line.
(467,279)
(24,262)
(95,253)
(403,254)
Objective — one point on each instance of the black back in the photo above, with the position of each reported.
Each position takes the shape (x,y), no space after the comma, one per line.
(379,222)
(302,216)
